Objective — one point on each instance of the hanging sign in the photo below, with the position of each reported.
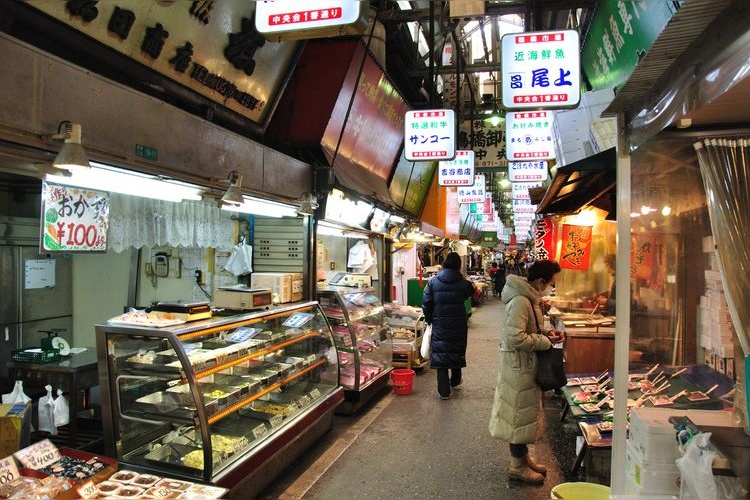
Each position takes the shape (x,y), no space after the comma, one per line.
(529,135)
(459,171)
(430,135)
(521,171)
(576,247)
(311,19)
(520,190)
(641,257)
(452,214)
(523,206)
(541,70)
(472,194)
(545,239)
(74,219)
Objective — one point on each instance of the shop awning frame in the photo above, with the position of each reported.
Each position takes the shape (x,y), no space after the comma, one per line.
(580,183)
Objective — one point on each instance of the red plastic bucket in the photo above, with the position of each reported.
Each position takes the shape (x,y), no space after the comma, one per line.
(402,380)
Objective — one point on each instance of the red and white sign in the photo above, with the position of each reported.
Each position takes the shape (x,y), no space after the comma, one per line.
(529,136)
(545,239)
(523,207)
(575,251)
(527,171)
(278,16)
(472,194)
(541,70)
(459,171)
(520,190)
(74,219)
(430,135)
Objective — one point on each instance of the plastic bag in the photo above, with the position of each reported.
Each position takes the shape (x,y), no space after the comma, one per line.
(240,261)
(697,478)
(16,395)
(46,412)
(62,410)
(426,349)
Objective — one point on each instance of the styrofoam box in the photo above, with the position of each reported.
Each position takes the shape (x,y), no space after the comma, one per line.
(707,244)
(280,283)
(653,436)
(650,478)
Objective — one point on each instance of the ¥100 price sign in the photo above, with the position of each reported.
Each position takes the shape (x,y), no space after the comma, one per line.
(74,219)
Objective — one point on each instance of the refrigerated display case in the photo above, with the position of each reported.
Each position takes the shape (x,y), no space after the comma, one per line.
(225,400)
(363,341)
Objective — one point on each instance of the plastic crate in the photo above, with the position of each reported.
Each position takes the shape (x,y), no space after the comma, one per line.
(35,355)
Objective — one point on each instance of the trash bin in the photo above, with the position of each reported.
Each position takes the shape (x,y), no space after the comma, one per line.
(580,491)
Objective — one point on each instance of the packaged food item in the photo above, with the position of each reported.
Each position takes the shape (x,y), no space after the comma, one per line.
(145,480)
(124,476)
(17,488)
(173,484)
(108,488)
(130,491)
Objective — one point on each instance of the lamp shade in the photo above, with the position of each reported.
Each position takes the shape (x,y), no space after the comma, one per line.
(71,155)
(233,196)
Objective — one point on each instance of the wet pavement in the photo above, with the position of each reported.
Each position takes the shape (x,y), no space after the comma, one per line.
(419,446)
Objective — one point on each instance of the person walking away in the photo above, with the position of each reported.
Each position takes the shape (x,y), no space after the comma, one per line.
(517,407)
(443,308)
(498,280)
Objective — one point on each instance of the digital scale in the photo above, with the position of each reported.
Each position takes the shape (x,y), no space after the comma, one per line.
(188,311)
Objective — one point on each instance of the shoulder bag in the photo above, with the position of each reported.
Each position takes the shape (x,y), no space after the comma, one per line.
(550,369)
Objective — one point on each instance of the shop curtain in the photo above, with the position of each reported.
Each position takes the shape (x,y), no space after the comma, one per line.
(143,222)
(724,166)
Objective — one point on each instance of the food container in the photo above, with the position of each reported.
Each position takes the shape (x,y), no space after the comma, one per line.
(108,488)
(124,476)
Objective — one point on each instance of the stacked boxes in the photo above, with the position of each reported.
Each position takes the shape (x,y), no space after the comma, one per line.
(287,285)
(715,323)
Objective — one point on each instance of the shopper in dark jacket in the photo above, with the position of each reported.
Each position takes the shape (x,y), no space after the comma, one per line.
(443,307)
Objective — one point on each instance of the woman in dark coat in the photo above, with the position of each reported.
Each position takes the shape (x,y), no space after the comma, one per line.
(443,307)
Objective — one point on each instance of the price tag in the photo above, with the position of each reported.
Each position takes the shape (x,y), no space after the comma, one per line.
(276,420)
(8,470)
(260,431)
(87,490)
(161,492)
(315,394)
(38,455)
(311,359)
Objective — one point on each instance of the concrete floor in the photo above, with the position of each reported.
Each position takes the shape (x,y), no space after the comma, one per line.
(418,446)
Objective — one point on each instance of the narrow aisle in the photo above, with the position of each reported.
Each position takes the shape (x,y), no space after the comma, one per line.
(419,446)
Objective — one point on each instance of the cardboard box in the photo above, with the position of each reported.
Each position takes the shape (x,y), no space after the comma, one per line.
(15,428)
(287,285)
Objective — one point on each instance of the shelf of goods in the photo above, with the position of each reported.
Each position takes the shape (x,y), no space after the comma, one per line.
(229,401)
(407,330)
(363,342)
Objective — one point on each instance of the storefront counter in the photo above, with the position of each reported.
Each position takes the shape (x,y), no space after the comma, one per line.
(589,349)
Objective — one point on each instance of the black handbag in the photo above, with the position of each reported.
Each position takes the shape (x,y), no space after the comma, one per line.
(550,367)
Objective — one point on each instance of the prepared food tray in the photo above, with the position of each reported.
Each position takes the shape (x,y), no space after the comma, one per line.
(223,394)
(281,369)
(149,360)
(175,455)
(175,404)
(158,319)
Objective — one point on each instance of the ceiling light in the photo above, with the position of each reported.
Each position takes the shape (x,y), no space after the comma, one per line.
(496,117)
(72,156)
(233,196)
(308,206)
(105,178)
(257,206)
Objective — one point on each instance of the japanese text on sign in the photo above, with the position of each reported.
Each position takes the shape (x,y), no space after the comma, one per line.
(529,135)
(286,15)
(430,135)
(576,247)
(38,455)
(8,470)
(521,171)
(74,219)
(458,171)
(541,69)
(472,194)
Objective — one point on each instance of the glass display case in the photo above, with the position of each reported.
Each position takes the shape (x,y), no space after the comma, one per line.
(213,400)
(360,330)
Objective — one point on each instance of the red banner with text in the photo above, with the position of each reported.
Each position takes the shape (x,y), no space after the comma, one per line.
(545,239)
(576,247)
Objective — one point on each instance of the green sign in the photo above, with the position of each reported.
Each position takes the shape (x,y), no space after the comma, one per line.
(146,152)
(620,34)
(410,182)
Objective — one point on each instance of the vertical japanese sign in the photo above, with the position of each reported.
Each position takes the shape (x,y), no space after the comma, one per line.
(541,70)
(525,171)
(530,135)
(620,34)
(430,135)
(642,249)
(488,143)
(472,194)
(74,219)
(452,214)
(575,251)
(459,171)
(545,239)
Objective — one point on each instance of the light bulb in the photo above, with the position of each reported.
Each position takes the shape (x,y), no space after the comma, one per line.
(666,210)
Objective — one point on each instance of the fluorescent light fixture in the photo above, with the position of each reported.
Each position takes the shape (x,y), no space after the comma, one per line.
(257,206)
(106,178)
(72,156)
(233,196)
(327,229)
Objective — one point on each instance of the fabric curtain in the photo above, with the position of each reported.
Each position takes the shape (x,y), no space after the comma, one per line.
(725,168)
(143,222)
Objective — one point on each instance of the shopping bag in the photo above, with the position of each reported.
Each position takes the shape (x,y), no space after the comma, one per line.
(46,412)
(240,261)
(550,369)
(426,349)
(16,395)
(61,410)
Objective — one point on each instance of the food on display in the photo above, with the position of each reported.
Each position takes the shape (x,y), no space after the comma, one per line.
(272,408)
(74,468)
(19,488)
(145,480)
(403,333)
(216,394)
(584,397)
(156,319)
(605,426)
(226,444)
(108,488)
(194,459)
(123,476)
(128,491)
(173,484)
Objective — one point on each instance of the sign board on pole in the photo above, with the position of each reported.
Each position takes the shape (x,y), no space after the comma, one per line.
(430,135)
(541,70)
(291,19)
(524,171)
(472,194)
(459,171)
(529,135)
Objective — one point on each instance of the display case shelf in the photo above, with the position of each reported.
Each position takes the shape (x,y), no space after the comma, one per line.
(195,401)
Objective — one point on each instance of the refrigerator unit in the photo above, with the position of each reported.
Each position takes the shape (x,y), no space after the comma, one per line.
(25,310)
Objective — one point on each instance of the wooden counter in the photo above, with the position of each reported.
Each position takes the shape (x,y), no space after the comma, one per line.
(589,350)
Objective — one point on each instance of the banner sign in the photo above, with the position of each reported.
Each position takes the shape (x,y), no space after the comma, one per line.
(459,171)
(541,70)
(488,143)
(520,190)
(576,247)
(642,249)
(473,194)
(523,206)
(452,214)
(74,219)
(430,134)
(545,239)
(281,16)
(619,35)
(521,171)
(529,135)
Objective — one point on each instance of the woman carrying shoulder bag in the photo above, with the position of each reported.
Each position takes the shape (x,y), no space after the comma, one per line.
(517,407)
